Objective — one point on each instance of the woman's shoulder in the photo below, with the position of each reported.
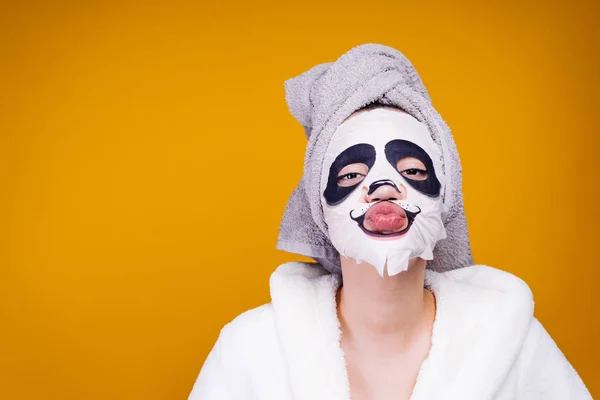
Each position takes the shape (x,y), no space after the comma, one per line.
(245,354)
(480,295)
(283,278)
(483,276)
(487,284)
(250,326)
(294,287)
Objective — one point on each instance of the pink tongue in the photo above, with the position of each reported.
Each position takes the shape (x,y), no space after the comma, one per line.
(385,217)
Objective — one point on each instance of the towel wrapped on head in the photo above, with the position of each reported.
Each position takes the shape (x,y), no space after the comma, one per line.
(321,99)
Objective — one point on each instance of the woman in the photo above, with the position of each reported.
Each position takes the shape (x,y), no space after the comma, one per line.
(394,308)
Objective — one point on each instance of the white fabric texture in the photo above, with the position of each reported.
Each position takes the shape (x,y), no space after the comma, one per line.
(486,343)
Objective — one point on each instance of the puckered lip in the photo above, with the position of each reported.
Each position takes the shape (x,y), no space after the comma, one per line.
(385,217)
(385,220)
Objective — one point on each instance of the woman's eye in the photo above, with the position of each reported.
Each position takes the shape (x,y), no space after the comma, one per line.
(412,168)
(350,179)
(415,174)
(352,174)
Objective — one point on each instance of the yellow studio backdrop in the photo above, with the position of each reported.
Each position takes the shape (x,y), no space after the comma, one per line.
(147,155)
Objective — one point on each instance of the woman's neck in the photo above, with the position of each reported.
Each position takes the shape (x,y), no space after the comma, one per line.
(388,311)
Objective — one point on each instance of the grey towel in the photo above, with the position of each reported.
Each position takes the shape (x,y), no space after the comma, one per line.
(321,99)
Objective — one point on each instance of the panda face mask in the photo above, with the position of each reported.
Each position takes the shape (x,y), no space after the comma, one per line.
(381,188)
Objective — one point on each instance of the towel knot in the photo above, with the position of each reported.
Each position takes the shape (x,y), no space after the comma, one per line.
(315,94)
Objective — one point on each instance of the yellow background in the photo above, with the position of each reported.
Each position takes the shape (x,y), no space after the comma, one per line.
(146,156)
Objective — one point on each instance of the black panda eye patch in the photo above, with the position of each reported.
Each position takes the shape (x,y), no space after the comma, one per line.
(359,153)
(398,149)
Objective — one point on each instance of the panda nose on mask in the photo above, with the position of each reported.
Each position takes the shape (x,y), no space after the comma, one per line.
(385,189)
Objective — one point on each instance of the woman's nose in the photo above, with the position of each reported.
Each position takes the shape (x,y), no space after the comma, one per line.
(387,192)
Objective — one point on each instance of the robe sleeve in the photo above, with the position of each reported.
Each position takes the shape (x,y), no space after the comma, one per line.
(547,374)
(212,383)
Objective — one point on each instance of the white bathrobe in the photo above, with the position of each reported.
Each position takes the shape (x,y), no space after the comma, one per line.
(486,344)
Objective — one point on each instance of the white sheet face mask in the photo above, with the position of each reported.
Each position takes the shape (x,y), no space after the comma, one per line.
(381,188)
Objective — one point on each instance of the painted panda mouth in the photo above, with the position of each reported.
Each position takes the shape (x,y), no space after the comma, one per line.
(386,219)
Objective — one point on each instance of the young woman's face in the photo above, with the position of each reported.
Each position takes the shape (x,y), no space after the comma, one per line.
(381,193)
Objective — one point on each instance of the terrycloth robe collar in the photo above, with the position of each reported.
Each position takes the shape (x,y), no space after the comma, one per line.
(482,318)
